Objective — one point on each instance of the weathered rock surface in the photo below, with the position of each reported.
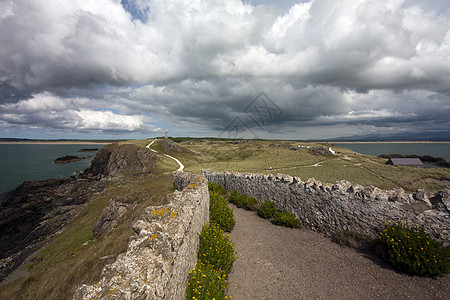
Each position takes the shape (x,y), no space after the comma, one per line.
(121,159)
(109,217)
(35,211)
(328,208)
(162,252)
(69,159)
(88,150)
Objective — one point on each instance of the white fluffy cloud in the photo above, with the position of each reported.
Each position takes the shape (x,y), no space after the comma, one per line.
(46,110)
(101,65)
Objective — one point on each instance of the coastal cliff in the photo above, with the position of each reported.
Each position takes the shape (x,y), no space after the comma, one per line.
(37,210)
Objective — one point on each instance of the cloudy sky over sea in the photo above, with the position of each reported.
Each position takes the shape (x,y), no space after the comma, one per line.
(274,69)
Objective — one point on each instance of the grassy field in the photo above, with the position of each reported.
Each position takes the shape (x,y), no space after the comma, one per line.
(259,156)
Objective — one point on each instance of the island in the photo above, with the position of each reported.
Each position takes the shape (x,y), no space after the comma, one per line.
(69,159)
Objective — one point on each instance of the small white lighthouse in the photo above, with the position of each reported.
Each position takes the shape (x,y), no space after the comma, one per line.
(165,133)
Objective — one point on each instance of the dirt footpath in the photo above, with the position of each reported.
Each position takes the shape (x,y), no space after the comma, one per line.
(281,263)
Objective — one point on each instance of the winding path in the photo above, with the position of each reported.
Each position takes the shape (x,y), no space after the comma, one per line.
(180,169)
(275,262)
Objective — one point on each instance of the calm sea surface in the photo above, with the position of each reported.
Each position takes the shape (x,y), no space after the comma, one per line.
(375,149)
(20,162)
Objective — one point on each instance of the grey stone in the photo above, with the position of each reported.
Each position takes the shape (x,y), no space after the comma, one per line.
(342,206)
(163,251)
(109,217)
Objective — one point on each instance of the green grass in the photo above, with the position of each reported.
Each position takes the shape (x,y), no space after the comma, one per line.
(258,156)
(73,258)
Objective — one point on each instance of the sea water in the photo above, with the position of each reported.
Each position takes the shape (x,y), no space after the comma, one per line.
(21,162)
(375,149)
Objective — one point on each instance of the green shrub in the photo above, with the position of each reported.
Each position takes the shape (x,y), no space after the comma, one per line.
(240,201)
(249,203)
(220,213)
(267,210)
(206,283)
(234,195)
(217,188)
(286,219)
(243,201)
(216,249)
(411,250)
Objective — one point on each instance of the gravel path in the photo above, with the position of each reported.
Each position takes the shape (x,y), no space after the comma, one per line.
(180,169)
(282,263)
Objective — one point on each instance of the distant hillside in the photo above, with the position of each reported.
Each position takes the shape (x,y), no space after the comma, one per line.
(405,136)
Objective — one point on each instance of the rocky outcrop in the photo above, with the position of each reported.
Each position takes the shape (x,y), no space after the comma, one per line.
(37,210)
(69,159)
(164,249)
(169,146)
(109,217)
(88,150)
(329,208)
(121,160)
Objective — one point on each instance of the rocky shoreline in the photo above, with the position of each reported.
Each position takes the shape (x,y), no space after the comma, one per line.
(36,211)
(69,159)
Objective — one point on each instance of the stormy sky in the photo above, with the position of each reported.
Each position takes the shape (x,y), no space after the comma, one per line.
(251,68)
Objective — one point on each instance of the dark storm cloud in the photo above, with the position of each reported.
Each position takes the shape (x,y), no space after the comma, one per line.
(199,63)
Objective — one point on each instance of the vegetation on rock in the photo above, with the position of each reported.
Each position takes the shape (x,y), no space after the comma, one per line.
(217,188)
(411,250)
(267,210)
(286,219)
(220,213)
(206,283)
(216,255)
(216,249)
(242,200)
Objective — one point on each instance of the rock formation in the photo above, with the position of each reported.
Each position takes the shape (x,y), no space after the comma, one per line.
(69,159)
(121,160)
(37,210)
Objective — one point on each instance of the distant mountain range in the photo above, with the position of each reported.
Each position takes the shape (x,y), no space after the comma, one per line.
(405,136)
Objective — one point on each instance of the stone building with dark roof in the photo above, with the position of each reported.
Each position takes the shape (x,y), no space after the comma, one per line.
(405,162)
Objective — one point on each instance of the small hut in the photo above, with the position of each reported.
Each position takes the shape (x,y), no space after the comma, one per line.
(405,162)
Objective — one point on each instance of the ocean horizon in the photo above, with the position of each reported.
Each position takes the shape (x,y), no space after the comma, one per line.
(21,162)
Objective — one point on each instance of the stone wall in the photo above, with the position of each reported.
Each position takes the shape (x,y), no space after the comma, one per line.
(163,251)
(328,208)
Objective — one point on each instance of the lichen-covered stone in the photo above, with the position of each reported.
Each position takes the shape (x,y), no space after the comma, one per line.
(342,206)
(164,249)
